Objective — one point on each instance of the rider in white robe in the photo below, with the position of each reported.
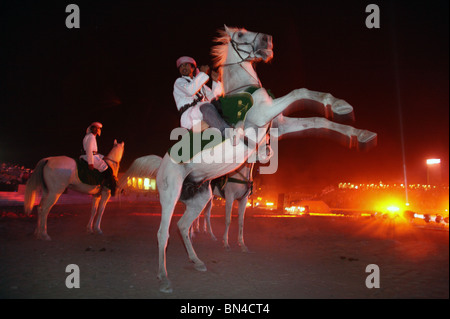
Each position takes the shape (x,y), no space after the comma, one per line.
(193,99)
(94,159)
(194,91)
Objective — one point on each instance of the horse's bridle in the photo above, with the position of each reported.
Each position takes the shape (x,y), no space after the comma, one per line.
(251,54)
(236,48)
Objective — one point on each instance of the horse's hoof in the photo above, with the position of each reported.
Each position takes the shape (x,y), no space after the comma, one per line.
(244,249)
(44,237)
(341,107)
(200,266)
(367,140)
(227,247)
(366,136)
(166,287)
(99,231)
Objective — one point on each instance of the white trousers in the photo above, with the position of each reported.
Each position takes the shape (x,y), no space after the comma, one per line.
(99,163)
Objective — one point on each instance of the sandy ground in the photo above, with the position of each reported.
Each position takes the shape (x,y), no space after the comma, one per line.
(302,257)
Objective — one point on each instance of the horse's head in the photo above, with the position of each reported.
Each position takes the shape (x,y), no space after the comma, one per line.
(242,46)
(235,54)
(117,151)
(115,156)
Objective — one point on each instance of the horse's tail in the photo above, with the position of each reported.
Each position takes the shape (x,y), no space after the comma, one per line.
(35,183)
(145,166)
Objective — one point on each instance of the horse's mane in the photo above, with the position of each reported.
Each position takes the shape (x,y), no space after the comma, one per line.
(219,52)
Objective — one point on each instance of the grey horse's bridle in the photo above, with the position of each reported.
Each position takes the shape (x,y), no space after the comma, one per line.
(235,45)
(251,54)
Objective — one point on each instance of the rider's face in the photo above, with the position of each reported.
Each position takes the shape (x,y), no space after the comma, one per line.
(96,130)
(186,69)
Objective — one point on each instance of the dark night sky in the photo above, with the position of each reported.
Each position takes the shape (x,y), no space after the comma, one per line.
(119,69)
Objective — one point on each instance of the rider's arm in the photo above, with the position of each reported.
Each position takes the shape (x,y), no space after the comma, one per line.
(188,89)
(191,88)
(90,148)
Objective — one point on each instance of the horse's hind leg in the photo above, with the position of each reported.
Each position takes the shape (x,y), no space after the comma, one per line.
(195,228)
(228,209)
(163,238)
(168,196)
(95,201)
(47,202)
(207,221)
(194,207)
(242,207)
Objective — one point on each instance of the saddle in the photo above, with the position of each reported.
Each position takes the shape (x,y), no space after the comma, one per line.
(87,176)
(183,150)
(234,107)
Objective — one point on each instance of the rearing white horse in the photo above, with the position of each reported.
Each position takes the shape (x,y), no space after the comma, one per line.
(54,174)
(237,53)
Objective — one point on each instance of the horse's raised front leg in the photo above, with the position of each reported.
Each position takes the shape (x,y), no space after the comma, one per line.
(106,195)
(94,207)
(317,126)
(267,109)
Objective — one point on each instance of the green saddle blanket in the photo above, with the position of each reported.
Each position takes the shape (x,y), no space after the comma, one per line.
(193,143)
(87,176)
(235,106)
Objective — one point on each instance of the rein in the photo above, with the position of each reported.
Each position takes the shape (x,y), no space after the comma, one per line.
(108,159)
(114,162)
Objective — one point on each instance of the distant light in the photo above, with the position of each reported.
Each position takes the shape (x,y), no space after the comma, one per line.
(432,161)
(393,209)
(147,183)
